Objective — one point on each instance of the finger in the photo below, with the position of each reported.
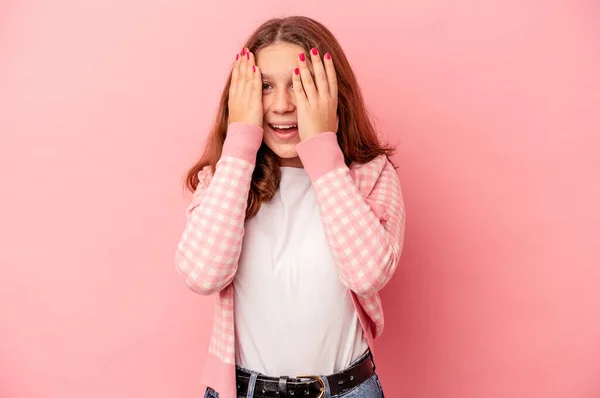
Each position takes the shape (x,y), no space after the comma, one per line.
(256,84)
(331,76)
(248,72)
(235,73)
(243,69)
(319,70)
(301,99)
(307,79)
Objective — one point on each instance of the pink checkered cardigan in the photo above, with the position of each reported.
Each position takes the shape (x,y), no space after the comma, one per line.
(362,213)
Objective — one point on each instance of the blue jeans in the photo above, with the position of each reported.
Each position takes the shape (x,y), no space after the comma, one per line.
(370,388)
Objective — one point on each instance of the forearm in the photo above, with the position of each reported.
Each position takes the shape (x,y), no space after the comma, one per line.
(209,248)
(365,234)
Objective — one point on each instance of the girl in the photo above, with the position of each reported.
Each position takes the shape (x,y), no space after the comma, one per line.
(296,222)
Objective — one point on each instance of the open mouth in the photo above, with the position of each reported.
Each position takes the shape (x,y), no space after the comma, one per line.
(284,130)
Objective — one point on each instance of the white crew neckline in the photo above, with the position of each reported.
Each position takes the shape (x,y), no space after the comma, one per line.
(293,171)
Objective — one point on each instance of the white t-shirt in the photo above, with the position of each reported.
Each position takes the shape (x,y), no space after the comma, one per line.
(292,314)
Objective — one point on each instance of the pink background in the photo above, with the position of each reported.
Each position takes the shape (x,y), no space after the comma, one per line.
(495,106)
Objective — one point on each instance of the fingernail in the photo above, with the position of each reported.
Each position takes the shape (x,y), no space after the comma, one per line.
(237,56)
(296,71)
(327,55)
(301,55)
(253,68)
(315,51)
(243,51)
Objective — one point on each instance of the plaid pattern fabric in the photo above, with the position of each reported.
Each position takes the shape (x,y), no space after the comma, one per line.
(362,212)
(209,249)
(364,228)
(210,246)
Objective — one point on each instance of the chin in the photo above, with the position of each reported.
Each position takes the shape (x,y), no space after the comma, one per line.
(285,149)
(284,153)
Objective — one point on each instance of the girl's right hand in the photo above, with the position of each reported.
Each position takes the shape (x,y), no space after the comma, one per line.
(245,91)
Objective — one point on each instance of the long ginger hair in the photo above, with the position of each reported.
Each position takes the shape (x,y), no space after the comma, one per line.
(356,134)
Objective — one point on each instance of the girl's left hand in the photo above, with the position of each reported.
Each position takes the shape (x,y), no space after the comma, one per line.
(316,106)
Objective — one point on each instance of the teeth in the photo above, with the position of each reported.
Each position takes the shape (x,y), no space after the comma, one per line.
(284,127)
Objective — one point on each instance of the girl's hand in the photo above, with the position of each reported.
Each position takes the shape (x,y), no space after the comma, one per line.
(245,91)
(316,106)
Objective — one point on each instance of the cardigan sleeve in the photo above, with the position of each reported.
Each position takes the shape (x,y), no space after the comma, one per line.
(209,248)
(365,235)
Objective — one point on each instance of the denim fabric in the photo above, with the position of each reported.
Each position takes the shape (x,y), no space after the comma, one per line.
(370,388)
(210,393)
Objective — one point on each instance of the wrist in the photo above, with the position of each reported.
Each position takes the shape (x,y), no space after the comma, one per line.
(320,154)
(242,141)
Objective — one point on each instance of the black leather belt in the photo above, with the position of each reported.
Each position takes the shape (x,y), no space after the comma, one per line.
(307,386)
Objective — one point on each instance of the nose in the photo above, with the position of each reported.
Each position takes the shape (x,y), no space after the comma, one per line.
(284,101)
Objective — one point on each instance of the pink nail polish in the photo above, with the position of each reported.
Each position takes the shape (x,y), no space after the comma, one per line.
(315,51)
(253,68)
(327,55)
(302,58)
(243,51)
(237,56)
(296,71)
